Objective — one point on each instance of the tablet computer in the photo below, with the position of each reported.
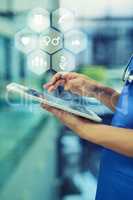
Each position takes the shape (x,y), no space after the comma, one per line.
(33,94)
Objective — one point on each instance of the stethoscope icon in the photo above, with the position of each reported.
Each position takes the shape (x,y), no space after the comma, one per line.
(128,74)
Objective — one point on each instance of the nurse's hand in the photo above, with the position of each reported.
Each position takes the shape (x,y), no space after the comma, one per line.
(84,86)
(73,122)
(73,82)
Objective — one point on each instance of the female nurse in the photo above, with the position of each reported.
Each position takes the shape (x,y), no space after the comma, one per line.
(116,171)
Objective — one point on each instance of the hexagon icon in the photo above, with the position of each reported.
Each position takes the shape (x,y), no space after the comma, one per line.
(39,20)
(38,62)
(63,61)
(51,41)
(75,41)
(26,41)
(63,19)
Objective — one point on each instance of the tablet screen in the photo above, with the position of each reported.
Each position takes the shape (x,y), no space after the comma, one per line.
(33,92)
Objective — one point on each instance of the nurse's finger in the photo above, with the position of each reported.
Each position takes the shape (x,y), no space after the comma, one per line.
(60,75)
(54,79)
(56,85)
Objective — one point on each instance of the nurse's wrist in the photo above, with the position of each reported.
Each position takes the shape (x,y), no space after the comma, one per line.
(100,91)
(107,96)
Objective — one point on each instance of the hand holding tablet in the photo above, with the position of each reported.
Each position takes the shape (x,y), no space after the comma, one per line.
(41,98)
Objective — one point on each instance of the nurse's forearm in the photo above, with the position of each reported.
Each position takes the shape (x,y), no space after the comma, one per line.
(107,96)
(116,139)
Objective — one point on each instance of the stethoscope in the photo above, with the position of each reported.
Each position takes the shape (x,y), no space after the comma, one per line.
(128,74)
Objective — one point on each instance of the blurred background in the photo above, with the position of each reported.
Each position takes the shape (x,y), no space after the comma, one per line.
(40,159)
